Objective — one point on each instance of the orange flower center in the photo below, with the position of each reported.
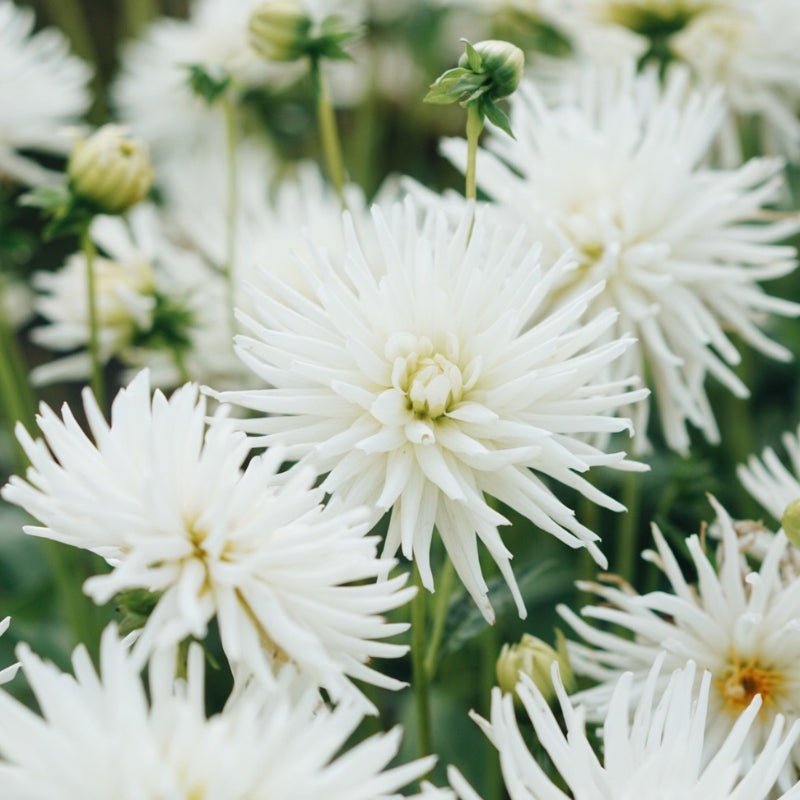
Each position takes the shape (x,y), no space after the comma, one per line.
(743,680)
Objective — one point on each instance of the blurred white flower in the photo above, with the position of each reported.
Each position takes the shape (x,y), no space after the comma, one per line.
(100,735)
(771,483)
(739,624)
(42,89)
(652,748)
(424,377)
(167,502)
(749,49)
(157,303)
(614,172)
(152,93)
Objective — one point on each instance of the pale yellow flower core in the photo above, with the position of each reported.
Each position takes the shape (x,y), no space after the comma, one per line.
(742,680)
(652,16)
(430,380)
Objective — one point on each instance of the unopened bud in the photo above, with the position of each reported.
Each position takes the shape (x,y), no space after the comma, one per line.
(502,62)
(110,170)
(534,657)
(279,30)
(790,521)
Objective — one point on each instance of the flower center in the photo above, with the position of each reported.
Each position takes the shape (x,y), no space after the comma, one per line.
(743,680)
(430,380)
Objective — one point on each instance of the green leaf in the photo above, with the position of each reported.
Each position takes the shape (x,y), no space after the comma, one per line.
(538,582)
(474,58)
(208,82)
(497,117)
(47,198)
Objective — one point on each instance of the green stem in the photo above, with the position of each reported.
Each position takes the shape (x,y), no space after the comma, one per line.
(136,15)
(419,673)
(329,136)
(474,128)
(628,534)
(71,18)
(442,598)
(232,209)
(89,253)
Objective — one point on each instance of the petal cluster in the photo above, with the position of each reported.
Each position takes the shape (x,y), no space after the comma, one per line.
(99,736)
(170,505)
(42,89)
(652,745)
(424,376)
(614,170)
(738,623)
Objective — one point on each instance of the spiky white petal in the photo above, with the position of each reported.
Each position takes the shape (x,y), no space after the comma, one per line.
(736,622)
(424,376)
(614,171)
(168,503)
(101,736)
(652,749)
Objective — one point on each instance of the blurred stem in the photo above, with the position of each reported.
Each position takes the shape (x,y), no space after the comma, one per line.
(136,15)
(71,18)
(419,673)
(474,128)
(329,136)
(628,536)
(89,253)
(490,647)
(442,603)
(18,403)
(232,208)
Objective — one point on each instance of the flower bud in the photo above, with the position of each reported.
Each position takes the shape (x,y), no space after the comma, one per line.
(279,30)
(502,62)
(790,522)
(535,658)
(110,170)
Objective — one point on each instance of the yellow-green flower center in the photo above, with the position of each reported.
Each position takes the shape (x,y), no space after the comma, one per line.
(742,680)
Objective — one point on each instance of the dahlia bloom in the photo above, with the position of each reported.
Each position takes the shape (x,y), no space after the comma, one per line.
(168,503)
(614,171)
(738,623)
(101,735)
(652,747)
(425,377)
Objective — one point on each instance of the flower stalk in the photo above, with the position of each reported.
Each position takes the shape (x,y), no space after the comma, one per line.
(96,381)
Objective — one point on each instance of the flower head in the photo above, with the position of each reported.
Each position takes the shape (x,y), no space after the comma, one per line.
(614,171)
(99,736)
(738,623)
(42,89)
(110,170)
(170,506)
(425,377)
(652,747)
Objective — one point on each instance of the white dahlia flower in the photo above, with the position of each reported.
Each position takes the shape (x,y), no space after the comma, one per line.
(425,378)
(748,49)
(738,623)
(42,89)
(159,303)
(614,172)
(152,93)
(652,746)
(168,504)
(101,735)
(770,483)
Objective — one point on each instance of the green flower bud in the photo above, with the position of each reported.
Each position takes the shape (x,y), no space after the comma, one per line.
(279,30)
(501,62)
(790,522)
(534,658)
(110,170)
